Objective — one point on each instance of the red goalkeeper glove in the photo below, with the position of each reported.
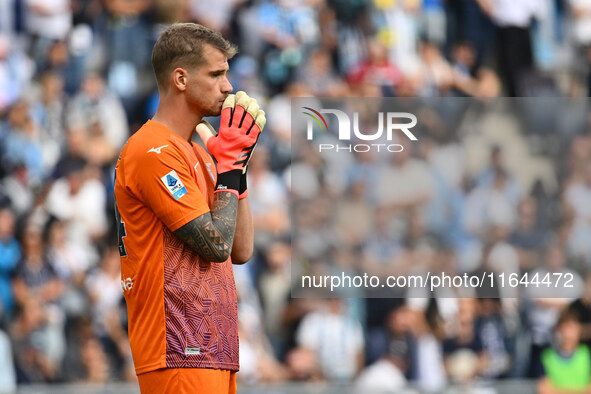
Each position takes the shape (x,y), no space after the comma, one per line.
(240,128)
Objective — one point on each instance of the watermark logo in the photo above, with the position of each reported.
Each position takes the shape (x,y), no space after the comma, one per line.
(317,116)
(388,124)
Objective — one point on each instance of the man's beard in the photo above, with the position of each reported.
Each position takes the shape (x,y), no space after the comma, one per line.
(213,111)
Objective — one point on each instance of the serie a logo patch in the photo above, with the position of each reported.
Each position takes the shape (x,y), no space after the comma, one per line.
(174,184)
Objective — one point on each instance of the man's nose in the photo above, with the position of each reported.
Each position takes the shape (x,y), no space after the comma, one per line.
(226,86)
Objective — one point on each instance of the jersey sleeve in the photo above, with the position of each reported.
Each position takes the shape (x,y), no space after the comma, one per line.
(165,184)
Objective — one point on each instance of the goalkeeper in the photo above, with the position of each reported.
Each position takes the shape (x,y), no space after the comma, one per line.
(184,219)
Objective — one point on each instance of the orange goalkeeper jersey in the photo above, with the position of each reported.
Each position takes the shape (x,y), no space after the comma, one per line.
(182,310)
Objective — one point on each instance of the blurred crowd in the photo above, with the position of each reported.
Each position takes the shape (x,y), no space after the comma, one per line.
(76,81)
(487,188)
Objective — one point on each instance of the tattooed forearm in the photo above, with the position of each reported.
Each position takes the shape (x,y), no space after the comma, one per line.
(211,235)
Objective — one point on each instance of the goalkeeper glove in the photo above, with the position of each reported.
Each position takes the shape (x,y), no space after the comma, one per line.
(240,128)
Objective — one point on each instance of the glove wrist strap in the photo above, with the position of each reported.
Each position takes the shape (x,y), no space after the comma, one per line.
(229,182)
(243,190)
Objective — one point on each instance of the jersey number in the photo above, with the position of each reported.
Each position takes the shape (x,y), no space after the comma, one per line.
(121,231)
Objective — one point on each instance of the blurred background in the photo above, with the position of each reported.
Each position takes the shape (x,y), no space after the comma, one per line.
(76,82)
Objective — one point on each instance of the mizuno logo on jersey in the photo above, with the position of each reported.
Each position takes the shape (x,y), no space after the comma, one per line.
(157,150)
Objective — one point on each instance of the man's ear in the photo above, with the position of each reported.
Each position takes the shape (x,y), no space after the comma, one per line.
(180,79)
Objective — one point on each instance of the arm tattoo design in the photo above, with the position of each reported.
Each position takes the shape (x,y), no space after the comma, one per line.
(212,235)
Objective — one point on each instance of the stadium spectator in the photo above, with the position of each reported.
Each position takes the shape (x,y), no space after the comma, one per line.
(48,20)
(567,365)
(528,235)
(280,110)
(70,262)
(435,78)
(95,362)
(10,254)
(581,307)
(129,38)
(434,22)
(491,205)
(36,343)
(319,75)
(335,339)
(577,192)
(37,290)
(48,108)
(22,143)
(274,288)
(103,286)
(75,151)
(80,199)
(410,171)
(7,372)
(395,339)
(581,18)
(167,12)
(464,355)
(490,327)
(34,276)
(16,70)
(383,244)
(384,375)
(515,50)
(545,306)
(258,364)
(463,61)
(268,199)
(95,103)
(427,330)
(353,218)
(377,70)
(16,189)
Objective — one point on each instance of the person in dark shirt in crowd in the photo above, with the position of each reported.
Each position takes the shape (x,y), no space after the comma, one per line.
(394,338)
(464,355)
(582,308)
(34,276)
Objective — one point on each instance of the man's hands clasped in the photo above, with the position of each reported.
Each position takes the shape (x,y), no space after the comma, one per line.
(241,124)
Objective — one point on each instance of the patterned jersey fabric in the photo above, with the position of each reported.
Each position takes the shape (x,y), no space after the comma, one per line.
(182,309)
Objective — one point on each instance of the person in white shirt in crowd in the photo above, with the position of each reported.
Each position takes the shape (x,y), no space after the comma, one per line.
(581,36)
(103,286)
(71,262)
(268,198)
(7,373)
(427,330)
(95,103)
(578,194)
(404,169)
(47,21)
(335,339)
(16,70)
(79,198)
(514,19)
(490,206)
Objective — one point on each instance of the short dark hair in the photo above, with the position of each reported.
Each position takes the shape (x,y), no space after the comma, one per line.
(568,315)
(181,45)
